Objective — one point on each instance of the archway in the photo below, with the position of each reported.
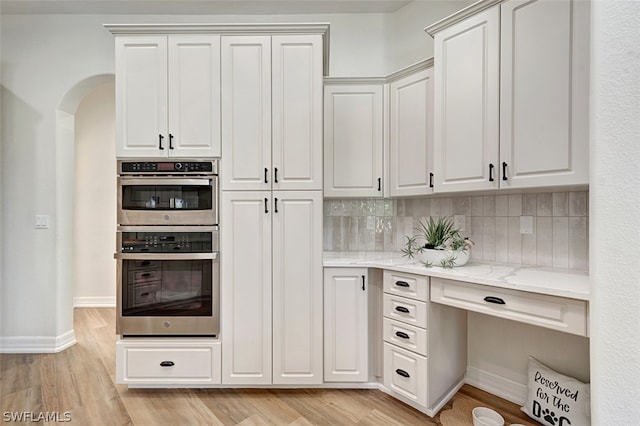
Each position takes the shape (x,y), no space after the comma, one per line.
(65,189)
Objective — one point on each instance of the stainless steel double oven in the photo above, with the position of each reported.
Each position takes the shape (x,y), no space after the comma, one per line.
(167,248)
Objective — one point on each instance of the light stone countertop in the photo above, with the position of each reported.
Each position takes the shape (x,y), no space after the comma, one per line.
(534,279)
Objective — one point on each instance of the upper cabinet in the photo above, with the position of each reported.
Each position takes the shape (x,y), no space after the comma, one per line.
(168,96)
(511,96)
(272,112)
(353,139)
(411,134)
(378,134)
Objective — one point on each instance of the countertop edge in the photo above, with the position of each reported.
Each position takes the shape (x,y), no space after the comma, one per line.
(548,281)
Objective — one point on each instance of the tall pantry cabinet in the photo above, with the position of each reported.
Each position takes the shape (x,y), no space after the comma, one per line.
(271,209)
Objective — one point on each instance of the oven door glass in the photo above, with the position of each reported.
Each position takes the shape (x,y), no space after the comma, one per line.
(163,288)
(166,194)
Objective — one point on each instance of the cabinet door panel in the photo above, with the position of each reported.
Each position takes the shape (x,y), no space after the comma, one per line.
(353,141)
(537,109)
(246,112)
(297,112)
(297,287)
(345,325)
(411,134)
(246,288)
(194,95)
(466,103)
(141,96)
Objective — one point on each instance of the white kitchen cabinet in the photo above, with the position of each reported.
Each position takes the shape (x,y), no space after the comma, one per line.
(411,134)
(271,291)
(168,96)
(271,112)
(511,96)
(544,93)
(466,92)
(245,289)
(424,343)
(353,139)
(346,328)
(168,361)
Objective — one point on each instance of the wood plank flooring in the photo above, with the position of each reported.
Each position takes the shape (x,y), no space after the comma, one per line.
(80,381)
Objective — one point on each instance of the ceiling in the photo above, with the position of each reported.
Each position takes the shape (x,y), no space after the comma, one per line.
(199,7)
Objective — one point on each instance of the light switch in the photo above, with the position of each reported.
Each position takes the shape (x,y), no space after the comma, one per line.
(526,224)
(42,221)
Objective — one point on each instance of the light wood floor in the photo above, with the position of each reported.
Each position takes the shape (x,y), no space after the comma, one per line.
(80,380)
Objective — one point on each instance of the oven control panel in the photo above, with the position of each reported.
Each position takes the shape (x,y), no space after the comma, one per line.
(167,167)
(168,242)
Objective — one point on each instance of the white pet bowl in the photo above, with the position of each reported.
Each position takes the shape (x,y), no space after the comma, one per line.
(483,416)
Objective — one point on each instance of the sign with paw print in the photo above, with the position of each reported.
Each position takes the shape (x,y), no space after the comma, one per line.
(555,399)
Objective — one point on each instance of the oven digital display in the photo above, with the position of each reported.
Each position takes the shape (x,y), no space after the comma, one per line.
(165,166)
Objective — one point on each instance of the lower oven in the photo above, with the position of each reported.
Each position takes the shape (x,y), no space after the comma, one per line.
(168,281)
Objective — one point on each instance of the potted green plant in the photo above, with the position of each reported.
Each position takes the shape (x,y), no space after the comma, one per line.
(438,242)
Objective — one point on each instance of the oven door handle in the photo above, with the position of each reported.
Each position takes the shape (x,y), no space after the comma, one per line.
(166,256)
(124,181)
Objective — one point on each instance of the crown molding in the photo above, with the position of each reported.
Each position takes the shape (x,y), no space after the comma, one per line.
(319,28)
(396,75)
(470,10)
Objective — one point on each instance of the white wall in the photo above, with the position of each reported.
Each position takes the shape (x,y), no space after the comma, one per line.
(615,224)
(95,199)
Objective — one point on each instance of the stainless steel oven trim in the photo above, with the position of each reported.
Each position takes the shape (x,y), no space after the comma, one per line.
(160,181)
(166,256)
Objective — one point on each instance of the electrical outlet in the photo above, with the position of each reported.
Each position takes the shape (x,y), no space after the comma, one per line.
(526,224)
(459,222)
(42,221)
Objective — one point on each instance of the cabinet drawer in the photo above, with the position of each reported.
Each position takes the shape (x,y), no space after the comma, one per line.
(405,373)
(406,310)
(145,294)
(558,313)
(175,363)
(407,285)
(405,336)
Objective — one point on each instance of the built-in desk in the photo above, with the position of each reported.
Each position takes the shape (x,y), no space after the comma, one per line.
(423,335)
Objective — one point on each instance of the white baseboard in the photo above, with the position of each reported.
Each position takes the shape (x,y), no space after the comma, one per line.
(94,302)
(37,344)
(497,385)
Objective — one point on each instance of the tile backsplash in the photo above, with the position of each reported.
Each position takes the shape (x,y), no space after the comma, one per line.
(560,225)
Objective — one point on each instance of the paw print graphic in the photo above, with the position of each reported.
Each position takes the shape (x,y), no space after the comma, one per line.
(549,416)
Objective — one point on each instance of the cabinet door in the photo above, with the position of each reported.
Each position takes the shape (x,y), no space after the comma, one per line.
(345,325)
(141,96)
(246,113)
(466,92)
(353,141)
(245,291)
(543,99)
(297,112)
(411,135)
(297,287)
(194,96)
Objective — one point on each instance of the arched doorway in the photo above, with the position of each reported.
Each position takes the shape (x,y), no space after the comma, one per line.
(66,197)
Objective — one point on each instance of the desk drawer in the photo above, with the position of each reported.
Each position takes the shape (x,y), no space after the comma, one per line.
(405,373)
(405,336)
(558,313)
(406,310)
(407,285)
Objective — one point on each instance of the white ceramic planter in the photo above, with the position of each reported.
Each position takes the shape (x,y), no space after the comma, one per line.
(435,257)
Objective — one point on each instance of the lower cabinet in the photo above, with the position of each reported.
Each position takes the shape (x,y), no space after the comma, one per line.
(346,343)
(168,361)
(271,287)
(425,345)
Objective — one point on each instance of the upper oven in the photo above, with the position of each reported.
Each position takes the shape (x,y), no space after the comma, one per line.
(168,192)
